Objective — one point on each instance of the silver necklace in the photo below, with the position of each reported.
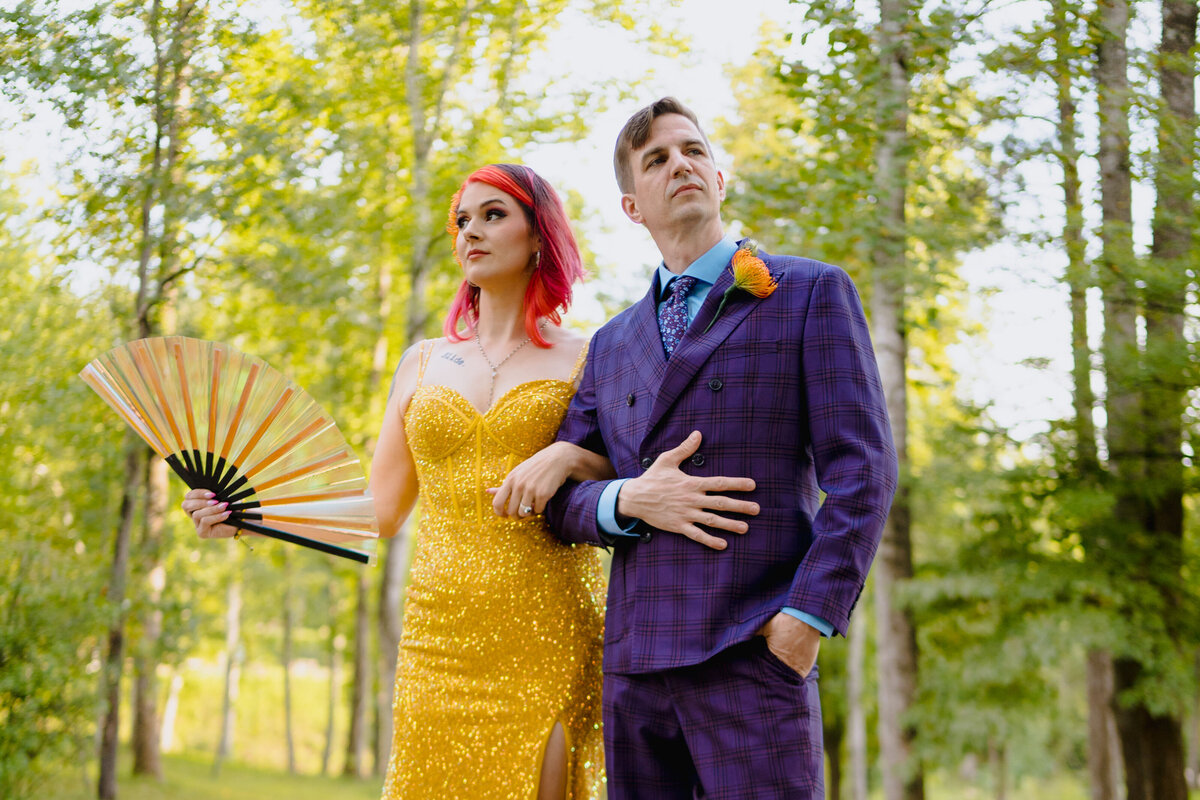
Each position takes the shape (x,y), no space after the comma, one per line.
(496,367)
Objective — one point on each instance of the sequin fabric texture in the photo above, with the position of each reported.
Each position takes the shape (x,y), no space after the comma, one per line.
(503,623)
(672,315)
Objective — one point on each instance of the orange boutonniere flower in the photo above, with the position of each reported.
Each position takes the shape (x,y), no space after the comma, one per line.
(750,275)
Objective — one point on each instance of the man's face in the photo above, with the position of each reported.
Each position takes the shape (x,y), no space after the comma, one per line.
(676,185)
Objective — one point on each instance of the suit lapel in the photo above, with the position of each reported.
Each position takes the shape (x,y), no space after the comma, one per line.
(643,342)
(700,341)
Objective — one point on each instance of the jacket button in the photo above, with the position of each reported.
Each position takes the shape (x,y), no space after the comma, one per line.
(715,384)
(646,536)
(629,399)
(647,462)
(698,459)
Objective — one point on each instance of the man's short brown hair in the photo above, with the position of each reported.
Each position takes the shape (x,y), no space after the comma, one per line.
(637,130)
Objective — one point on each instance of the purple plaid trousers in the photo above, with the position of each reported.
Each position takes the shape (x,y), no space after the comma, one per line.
(741,725)
(785,390)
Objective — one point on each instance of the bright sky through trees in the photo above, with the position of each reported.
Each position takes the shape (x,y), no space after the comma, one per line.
(1021,362)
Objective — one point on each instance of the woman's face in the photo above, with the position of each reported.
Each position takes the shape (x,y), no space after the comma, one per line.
(494,242)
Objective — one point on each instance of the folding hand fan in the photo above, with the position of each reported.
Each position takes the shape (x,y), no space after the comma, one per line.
(229,423)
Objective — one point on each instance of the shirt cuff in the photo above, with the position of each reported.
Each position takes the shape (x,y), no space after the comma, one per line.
(606,511)
(821,625)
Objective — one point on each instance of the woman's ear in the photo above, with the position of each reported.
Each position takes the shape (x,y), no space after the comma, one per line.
(537,250)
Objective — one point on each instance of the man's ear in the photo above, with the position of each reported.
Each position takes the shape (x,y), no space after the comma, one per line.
(720,186)
(629,206)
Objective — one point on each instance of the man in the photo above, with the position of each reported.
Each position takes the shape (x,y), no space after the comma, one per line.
(721,587)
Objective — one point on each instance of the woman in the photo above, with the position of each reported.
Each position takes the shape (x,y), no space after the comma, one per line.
(498,679)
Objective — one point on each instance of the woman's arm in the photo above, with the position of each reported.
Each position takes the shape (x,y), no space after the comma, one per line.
(535,480)
(393,474)
(585,465)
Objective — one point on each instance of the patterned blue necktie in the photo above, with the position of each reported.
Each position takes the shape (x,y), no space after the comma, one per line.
(672,314)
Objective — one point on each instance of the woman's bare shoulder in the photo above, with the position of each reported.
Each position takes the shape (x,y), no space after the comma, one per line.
(567,338)
(408,368)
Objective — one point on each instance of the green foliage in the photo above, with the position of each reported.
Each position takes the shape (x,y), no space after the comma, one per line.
(54,494)
(1136,592)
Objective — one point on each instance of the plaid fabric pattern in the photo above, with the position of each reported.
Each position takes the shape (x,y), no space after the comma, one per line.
(740,725)
(672,316)
(785,390)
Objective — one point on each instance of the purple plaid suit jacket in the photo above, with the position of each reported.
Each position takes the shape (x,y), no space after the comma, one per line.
(785,390)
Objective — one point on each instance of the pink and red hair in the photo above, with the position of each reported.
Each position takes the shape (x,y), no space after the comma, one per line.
(558,266)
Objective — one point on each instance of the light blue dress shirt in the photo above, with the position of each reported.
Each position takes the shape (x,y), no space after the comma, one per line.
(706,269)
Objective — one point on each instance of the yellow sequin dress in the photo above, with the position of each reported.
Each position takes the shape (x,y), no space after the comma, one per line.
(503,623)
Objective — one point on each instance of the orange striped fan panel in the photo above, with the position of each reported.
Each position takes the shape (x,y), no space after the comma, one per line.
(229,423)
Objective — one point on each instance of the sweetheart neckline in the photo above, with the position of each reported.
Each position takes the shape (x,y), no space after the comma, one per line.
(497,404)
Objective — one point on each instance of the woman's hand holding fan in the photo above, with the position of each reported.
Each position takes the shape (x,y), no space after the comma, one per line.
(208,514)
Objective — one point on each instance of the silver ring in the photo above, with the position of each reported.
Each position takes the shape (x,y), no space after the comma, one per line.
(525,510)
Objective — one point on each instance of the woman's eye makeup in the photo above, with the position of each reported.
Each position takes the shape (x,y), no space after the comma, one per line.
(490,214)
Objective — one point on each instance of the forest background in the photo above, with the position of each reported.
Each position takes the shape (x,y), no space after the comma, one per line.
(1012,185)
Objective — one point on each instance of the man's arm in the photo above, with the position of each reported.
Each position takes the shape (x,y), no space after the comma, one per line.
(853,452)
(663,497)
(572,511)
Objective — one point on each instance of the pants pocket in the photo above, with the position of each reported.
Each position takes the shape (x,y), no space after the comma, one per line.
(777,664)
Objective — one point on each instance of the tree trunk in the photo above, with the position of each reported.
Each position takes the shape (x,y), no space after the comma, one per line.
(356,745)
(391,578)
(170,713)
(903,777)
(391,614)
(107,783)
(233,658)
(999,763)
(147,759)
(115,657)
(1104,748)
(1156,740)
(1121,356)
(1078,276)
(896,662)
(1166,285)
(414,92)
(833,751)
(336,643)
(1193,756)
(1104,758)
(856,658)
(1151,745)
(419,96)
(1154,768)
(289,613)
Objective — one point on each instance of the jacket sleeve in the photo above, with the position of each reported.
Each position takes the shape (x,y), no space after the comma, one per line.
(853,452)
(572,511)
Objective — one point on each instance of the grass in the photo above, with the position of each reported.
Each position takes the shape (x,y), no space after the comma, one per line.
(944,785)
(259,774)
(189,777)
